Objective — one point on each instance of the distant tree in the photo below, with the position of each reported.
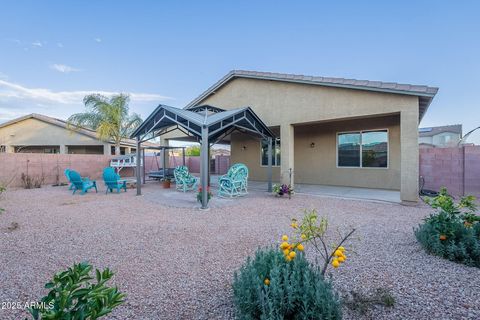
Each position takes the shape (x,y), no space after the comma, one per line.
(108,116)
(192,151)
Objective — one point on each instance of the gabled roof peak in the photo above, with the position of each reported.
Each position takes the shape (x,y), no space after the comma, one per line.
(425,93)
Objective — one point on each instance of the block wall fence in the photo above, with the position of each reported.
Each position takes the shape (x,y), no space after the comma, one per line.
(457,169)
(52,166)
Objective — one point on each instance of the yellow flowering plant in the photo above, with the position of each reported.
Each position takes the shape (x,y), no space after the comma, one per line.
(312,230)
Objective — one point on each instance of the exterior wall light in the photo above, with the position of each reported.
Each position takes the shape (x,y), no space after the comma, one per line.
(312,145)
(244,148)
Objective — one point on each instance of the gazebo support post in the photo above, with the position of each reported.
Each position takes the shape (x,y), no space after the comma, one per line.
(269,169)
(183,155)
(204,163)
(209,160)
(143,165)
(138,168)
(164,162)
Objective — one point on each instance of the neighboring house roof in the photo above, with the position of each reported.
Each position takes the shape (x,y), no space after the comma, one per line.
(63,124)
(433,131)
(424,93)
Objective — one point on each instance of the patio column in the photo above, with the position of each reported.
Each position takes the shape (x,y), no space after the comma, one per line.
(138,168)
(409,155)
(287,153)
(204,164)
(107,149)
(269,169)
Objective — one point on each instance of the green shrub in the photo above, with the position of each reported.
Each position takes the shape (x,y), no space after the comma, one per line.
(269,287)
(461,245)
(453,232)
(73,296)
(192,151)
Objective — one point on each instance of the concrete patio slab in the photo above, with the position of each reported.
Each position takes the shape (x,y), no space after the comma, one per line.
(153,192)
(173,198)
(382,195)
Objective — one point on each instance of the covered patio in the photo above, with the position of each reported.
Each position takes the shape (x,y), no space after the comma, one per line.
(207,125)
(258,189)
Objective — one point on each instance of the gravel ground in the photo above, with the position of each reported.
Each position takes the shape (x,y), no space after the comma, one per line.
(178,263)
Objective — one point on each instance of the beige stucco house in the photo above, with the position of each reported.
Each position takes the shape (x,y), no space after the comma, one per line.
(36,133)
(330,131)
(440,137)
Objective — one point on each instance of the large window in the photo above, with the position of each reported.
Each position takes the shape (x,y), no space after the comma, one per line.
(363,149)
(275,152)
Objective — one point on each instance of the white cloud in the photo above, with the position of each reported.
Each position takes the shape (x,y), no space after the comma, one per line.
(17,100)
(16,41)
(37,44)
(63,68)
(59,44)
(13,90)
(97,40)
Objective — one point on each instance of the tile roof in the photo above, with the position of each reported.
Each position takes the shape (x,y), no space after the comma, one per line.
(425,93)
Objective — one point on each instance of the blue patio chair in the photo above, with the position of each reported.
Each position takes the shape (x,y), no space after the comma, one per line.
(81,184)
(68,179)
(184,181)
(235,182)
(112,180)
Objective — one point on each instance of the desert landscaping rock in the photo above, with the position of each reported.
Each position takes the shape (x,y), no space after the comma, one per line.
(178,262)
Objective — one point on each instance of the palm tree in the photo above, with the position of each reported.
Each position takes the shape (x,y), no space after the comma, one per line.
(108,116)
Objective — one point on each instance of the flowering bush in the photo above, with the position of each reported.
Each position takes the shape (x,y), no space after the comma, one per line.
(281,284)
(453,232)
(312,230)
(280,190)
(199,194)
(269,287)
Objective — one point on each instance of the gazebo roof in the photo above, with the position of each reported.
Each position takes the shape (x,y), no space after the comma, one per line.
(219,122)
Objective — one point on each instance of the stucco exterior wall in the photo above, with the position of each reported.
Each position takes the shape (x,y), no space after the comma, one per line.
(36,132)
(281,102)
(289,105)
(318,165)
(246,149)
(442,140)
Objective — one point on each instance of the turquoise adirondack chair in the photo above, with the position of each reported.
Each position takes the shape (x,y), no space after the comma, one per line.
(235,182)
(81,184)
(112,180)
(68,179)
(184,181)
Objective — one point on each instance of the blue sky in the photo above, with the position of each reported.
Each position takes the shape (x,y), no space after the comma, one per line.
(53,52)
